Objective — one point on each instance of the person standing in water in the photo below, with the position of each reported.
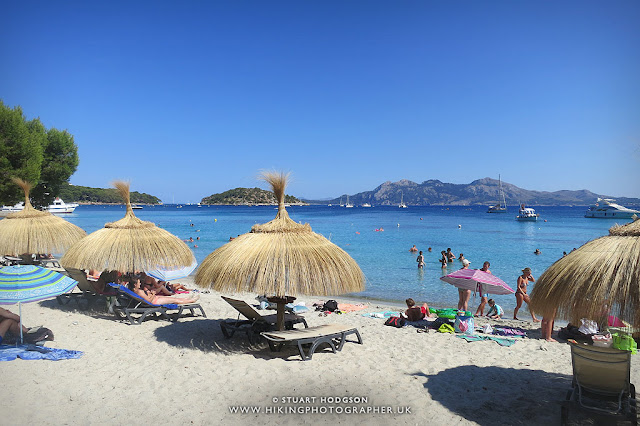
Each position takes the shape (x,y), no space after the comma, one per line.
(521,292)
(420,260)
(483,294)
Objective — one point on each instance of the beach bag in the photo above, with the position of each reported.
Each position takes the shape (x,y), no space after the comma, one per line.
(588,326)
(602,340)
(446,328)
(330,305)
(397,322)
(572,332)
(624,342)
(464,324)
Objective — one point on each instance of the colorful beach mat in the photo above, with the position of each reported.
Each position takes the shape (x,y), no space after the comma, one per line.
(28,352)
(476,338)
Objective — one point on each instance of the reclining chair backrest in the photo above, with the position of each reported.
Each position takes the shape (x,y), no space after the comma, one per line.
(601,370)
(81,277)
(244,308)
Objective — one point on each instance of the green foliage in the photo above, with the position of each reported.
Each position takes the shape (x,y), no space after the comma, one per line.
(45,158)
(21,151)
(83,194)
(246,196)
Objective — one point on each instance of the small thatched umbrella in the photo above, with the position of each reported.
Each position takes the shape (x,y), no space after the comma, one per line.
(34,231)
(602,274)
(283,258)
(128,245)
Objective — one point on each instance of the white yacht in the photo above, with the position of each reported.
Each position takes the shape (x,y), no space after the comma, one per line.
(348,205)
(366,205)
(527,214)
(402,205)
(501,207)
(606,208)
(60,206)
(57,207)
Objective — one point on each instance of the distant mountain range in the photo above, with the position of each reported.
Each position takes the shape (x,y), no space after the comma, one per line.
(479,192)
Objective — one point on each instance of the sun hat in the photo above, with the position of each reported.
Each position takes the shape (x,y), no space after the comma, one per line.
(465,262)
(526,270)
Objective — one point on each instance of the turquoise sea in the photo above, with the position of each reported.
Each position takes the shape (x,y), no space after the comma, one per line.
(391,270)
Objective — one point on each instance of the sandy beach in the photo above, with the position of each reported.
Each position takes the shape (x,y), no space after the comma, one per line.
(188,373)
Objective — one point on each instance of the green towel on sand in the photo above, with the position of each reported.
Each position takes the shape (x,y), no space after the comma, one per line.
(475,338)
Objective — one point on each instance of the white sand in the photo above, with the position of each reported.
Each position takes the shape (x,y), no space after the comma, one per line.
(188,373)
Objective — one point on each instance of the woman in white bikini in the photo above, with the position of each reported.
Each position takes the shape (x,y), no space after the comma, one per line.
(521,292)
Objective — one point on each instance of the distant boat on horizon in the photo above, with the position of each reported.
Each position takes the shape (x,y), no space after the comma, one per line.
(402,205)
(348,205)
(500,207)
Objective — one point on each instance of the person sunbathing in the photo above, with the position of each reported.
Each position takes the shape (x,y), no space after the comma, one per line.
(174,287)
(416,313)
(135,286)
(150,283)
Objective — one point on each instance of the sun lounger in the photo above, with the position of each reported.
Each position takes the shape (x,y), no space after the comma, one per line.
(601,376)
(88,293)
(332,334)
(255,323)
(129,303)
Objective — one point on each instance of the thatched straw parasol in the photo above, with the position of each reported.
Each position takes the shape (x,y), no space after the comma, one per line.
(34,231)
(282,258)
(601,275)
(128,245)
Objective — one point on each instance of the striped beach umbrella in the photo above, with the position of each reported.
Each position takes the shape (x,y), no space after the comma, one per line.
(472,279)
(28,283)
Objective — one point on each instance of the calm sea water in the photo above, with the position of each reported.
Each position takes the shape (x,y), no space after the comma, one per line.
(391,270)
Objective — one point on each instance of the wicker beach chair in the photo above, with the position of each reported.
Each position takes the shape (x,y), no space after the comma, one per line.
(334,335)
(255,323)
(601,382)
(129,304)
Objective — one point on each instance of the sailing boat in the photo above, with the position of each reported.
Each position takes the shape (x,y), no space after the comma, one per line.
(402,205)
(349,205)
(500,207)
(341,205)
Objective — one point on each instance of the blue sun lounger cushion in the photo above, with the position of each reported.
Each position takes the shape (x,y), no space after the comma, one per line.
(129,303)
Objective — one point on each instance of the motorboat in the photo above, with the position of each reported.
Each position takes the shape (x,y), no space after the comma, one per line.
(136,207)
(501,207)
(11,209)
(605,208)
(527,214)
(366,205)
(60,206)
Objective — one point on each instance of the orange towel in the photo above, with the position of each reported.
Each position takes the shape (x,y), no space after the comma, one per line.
(349,307)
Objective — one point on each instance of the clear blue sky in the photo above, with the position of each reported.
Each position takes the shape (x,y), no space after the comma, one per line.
(186,99)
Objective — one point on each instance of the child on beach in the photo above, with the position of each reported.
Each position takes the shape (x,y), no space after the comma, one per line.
(495,311)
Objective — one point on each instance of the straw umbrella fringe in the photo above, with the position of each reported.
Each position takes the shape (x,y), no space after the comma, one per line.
(128,245)
(281,257)
(602,275)
(34,231)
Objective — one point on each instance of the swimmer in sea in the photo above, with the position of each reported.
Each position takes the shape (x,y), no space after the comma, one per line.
(414,248)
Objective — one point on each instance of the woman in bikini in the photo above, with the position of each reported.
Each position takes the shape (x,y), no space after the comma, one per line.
(521,292)
(150,297)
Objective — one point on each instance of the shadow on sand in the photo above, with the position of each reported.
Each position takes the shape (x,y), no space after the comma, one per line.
(499,396)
